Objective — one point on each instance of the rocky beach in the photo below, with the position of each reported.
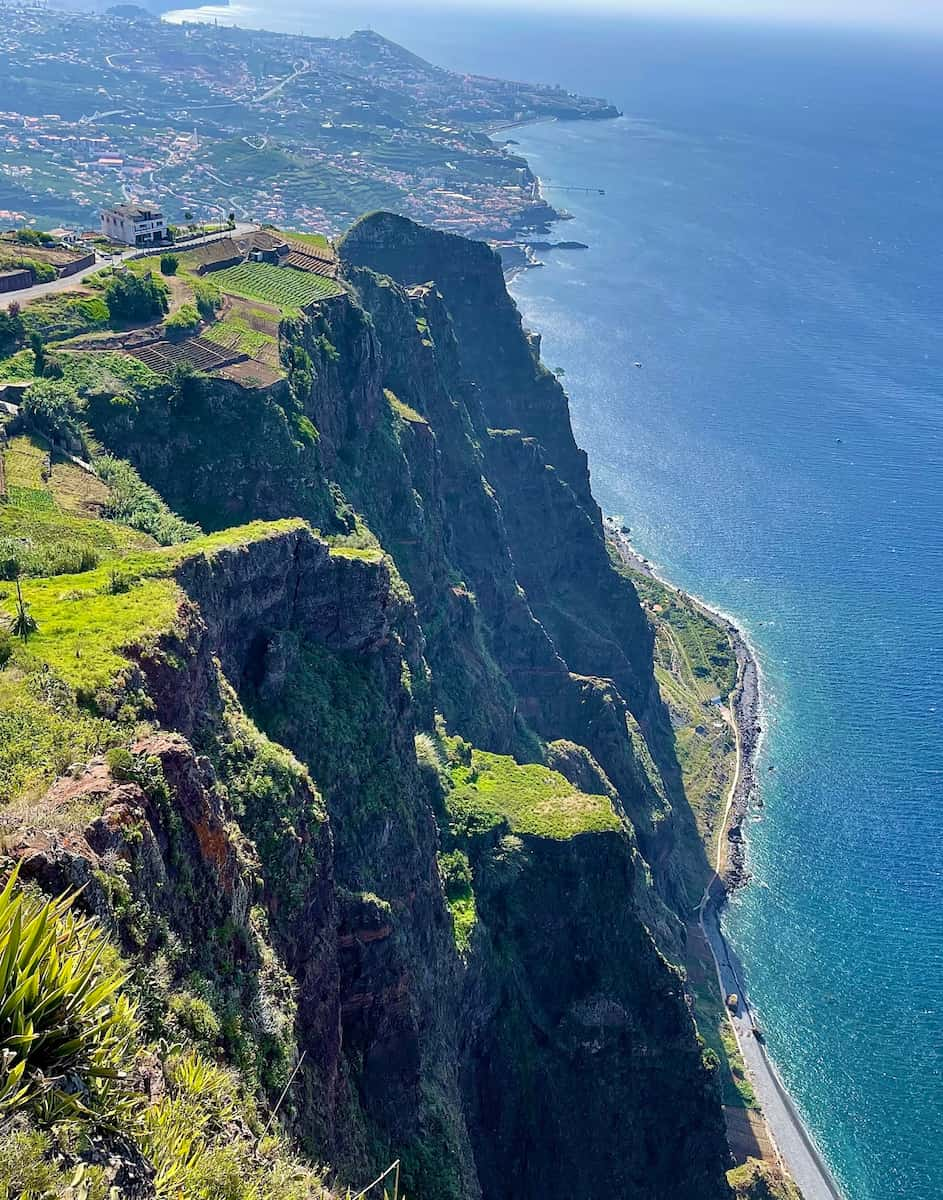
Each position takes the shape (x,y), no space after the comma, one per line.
(793,1143)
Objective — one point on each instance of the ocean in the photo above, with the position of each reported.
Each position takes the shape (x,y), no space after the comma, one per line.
(768,247)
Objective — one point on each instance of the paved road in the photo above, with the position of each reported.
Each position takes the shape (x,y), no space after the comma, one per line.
(24,295)
(798,1151)
(796,1148)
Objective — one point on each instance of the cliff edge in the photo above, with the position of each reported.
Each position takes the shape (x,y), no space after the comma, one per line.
(369,778)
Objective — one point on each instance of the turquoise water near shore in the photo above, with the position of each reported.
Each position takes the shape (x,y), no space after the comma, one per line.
(769,248)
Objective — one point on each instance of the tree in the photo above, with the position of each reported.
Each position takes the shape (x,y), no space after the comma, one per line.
(185,320)
(12,331)
(231,218)
(135,297)
(208,298)
(39,353)
(53,407)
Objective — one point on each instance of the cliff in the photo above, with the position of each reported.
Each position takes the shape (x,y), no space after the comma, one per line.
(400,813)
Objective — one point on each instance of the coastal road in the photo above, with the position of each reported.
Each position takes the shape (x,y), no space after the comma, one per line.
(793,1142)
(798,1152)
(24,295)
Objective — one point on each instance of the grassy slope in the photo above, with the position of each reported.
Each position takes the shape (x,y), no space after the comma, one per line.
(76,664)
(530,798)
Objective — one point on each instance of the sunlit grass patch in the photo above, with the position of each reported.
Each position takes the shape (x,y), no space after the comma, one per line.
(493,789)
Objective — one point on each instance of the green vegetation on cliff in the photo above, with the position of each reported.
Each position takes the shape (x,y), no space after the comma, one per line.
(75,1057)
(388,825)
(493,790)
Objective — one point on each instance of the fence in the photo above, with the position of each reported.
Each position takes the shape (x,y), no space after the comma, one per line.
(392,1169)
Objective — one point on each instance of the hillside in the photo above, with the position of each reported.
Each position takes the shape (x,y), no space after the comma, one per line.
(342,717)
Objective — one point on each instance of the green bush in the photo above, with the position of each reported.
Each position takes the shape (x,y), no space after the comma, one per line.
(456,874)
(133,297)
(12,331)
(6,647)
(169,264)
(134,503)
(34,237)
(185,320)
(58,556)
(196,1016)
(208,298)
(27,1171)
(120,763)
(305,431)
(41,272)
(202,1148)
(53,407)
(65,314)
(66,1034)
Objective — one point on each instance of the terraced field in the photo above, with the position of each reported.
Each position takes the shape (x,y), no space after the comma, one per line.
(290,290)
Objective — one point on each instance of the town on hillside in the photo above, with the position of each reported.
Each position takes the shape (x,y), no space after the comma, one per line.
(99,110)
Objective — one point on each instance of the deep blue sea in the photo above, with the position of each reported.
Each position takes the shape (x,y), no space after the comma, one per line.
(770,248)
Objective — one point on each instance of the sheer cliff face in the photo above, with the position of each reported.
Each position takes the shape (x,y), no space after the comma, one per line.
(547,1051)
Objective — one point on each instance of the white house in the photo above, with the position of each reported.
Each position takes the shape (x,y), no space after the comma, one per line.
(135,224)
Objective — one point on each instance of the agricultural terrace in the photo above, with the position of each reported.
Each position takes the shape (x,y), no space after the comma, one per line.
(290,290)
(317,241)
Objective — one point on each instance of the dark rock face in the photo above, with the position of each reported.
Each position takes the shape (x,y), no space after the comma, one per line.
(557,1058)
(579,1059)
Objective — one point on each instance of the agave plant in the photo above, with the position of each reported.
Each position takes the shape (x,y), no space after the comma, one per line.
(66,1031)
(23,623)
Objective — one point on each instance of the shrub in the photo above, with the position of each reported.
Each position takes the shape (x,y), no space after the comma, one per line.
(305,431)
(12,332)
(34,237)
(41,272)
(39,558)
(38,348)
(169,264)
(6,648)
(185,320)
(120,763)
(53,406)
(26,1169)
(136,504)
(135,297)
(66,1035)
(208,298)
(196,1016)
(456,874)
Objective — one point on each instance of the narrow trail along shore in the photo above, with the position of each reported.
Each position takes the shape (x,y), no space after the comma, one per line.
(792,1141)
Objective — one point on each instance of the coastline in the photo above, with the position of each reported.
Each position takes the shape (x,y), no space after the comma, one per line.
(793,1142)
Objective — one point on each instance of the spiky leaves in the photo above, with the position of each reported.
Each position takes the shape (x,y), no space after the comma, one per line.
(66,1031)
